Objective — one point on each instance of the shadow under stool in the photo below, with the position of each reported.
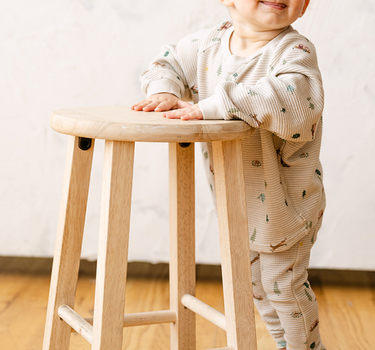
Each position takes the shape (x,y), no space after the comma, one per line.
(121,127)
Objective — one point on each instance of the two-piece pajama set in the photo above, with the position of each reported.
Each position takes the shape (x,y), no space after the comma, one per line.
(278,91)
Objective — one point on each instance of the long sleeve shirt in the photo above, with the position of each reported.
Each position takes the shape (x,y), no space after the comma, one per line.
(279,92)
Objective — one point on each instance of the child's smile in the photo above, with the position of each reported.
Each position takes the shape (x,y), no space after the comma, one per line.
(274,5)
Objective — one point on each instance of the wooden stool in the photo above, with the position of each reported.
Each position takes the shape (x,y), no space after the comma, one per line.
(121,127)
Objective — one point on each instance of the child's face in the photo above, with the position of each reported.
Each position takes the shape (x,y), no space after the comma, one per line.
(266,15)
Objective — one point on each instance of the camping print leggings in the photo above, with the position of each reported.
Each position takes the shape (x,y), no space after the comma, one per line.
(284,298)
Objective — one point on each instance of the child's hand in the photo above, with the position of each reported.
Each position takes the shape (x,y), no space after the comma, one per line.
(159,103)
(187,113)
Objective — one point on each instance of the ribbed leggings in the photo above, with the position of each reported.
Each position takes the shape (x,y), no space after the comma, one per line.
(284,298)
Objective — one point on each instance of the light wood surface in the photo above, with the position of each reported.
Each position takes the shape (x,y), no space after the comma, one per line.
(182,243)
(77,322)
(347,314)
(68,243)
(113,245)
(234,245)
(123,124)
(145,318)
(204,310)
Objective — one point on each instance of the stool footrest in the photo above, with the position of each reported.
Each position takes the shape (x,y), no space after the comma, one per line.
(78,323)
(144,318)
(206,311)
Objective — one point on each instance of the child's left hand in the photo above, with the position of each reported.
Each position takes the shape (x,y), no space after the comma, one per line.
(187,113)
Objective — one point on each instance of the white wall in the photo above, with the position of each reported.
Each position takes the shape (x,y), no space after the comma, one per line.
(56,54)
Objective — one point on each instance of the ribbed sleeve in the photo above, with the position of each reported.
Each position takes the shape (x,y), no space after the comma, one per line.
(288,102)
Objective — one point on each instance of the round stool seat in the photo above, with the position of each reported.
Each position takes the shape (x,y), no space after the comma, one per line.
(120,123)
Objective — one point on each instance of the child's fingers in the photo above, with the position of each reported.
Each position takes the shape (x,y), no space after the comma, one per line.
(141,105)
(192,116)
(136,105)
(151,106)
(164,106)
(183,114)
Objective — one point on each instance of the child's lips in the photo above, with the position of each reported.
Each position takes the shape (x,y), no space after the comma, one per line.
(275,5)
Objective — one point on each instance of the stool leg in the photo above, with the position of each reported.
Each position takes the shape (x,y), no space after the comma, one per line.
(113,246)
(182,242)
(68,243)
(234,245)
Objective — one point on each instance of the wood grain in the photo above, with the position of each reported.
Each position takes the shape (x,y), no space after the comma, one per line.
(347,314)
(113,245)
(121,123)
(234,245)
(68,243)
(182,242)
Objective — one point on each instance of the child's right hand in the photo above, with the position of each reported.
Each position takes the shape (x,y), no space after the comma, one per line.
(160,102)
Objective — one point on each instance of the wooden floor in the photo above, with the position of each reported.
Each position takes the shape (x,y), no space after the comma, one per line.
(347,314)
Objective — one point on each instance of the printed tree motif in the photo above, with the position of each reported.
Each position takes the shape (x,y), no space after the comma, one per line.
(220,70)
(212,189)
(308,224)
(311,105)
(253,236)
(304,194)
(306,285)
(286,203)
(276,289)
(284,61)
(166,54)
(205,155)
(281,343)
(296,314)
(262,197)
(290,88)
(252,93)
(265,184)
(308,295)
(233,110)
(267,219)
(313,238)
(283,110)
(312,346)
(296,136)
(217,40)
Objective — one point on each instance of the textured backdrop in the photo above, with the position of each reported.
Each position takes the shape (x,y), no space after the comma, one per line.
(56,54)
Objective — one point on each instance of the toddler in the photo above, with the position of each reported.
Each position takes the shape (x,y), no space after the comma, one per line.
(257,68)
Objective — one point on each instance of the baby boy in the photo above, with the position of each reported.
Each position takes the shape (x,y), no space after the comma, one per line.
(258,69)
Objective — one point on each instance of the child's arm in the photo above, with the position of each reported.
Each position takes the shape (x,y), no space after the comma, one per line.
(168,79)
(288,102)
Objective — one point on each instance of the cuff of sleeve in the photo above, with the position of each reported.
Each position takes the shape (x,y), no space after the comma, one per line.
(210,108)
(163,85)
